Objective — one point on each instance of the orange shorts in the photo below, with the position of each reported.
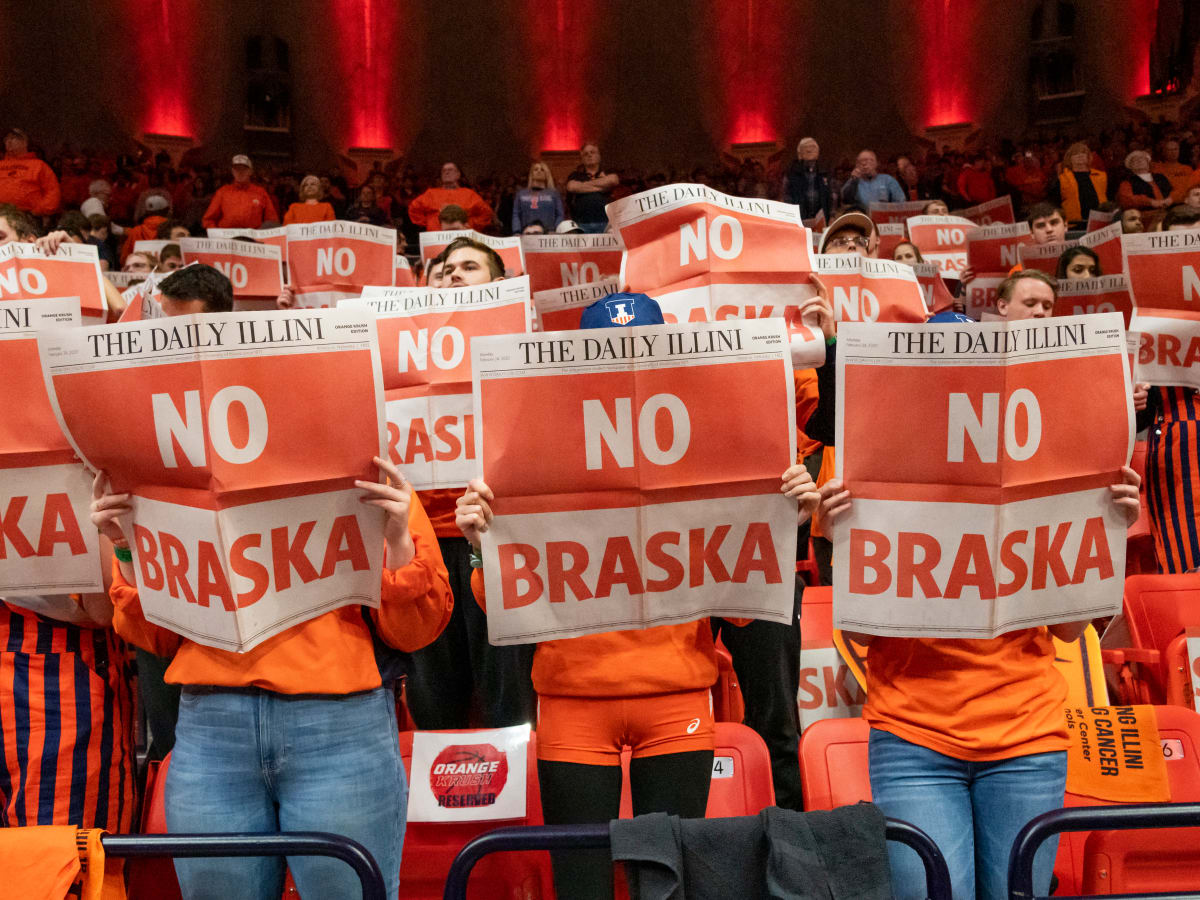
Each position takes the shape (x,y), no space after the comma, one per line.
(593,730)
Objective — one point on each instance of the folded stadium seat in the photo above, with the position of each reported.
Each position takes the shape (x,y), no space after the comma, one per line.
(808,566)
(741,782)
(816,616)
(430,848)
(833,763)
(728,705)
(1158,609)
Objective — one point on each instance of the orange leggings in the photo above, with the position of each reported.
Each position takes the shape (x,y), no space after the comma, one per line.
(593,730)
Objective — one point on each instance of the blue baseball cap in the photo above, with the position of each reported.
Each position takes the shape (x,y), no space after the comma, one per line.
(951,316)
(621,309)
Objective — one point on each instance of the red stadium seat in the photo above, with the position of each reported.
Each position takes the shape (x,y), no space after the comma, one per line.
(833,763)
(153,878)
(741,784)
(808,566)
(430,848)
(1158,610)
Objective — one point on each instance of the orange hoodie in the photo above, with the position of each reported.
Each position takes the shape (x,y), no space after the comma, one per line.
(147,231)
(29,184)
(660,660)
(424,209)
(331,654)
(240,206)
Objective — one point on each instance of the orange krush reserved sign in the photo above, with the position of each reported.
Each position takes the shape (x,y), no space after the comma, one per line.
(636,472)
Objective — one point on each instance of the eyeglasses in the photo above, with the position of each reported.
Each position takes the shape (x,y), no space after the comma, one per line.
(847,241)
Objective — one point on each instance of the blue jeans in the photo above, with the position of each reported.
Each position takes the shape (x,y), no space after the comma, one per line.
(264,762)
(972,810)
(593,227)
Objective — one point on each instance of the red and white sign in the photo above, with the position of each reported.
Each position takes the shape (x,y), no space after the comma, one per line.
(26,273)
(254,270)
(559,309)
(567,260)
(404,273)
(424,347)
(48,544)
(274,236)
(434,242)
(991,212)
(941,239)
(1044,257)
(124,280)
(934,288)
(151,246)
(994,249)
(660,501)
(707,256)
(891,236)
(240,437)
(1098,219)
(340,256)
(998,515)
(1106,242)
(1163,268)
(895,213)
(1084,296)
(871,290)
(827,687)
(469,776)
(980,295)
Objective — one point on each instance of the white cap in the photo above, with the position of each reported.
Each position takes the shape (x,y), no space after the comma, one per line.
(243,160)
(568,226)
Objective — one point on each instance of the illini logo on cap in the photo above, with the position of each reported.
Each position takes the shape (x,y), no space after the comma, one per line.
(620,312)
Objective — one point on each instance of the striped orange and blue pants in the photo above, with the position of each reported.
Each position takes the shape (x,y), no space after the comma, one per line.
(66,716)
(1173,478)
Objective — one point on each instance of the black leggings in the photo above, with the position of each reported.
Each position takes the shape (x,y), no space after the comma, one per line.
(576,794)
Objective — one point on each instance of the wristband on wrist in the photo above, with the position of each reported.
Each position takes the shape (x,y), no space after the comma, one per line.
(124,554)
(476,559)
(831,340)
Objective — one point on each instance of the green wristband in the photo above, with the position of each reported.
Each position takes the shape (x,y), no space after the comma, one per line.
(476,559)
(831,340)
(124,554)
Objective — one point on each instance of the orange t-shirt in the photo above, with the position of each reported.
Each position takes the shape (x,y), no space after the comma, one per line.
(806,404)
(147,231)
(658,660)
(236,205)
(303,213)
(975,700)
(331,654)
(424,209)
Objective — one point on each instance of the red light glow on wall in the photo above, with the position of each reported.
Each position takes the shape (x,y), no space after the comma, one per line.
(367,47)
(1143,16)
(945,61)
(164,49)
(747,44)
(559,35)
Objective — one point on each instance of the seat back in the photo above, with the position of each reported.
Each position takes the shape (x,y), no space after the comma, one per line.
(1160,607)
(741,780)
(151,878)
(728,705)
(833,763)
(430,848)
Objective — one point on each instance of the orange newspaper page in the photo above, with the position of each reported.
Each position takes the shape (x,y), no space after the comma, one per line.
(636,473)
(275,236)
(1162,270)
(240,436)
(991,212)
(566,260)
(1084,296)
(434,242)
(934,288)
(871,290)
(425,340)
(996,514)
(995,248)
(560,309)
(340,256)
(941,240)
(27,273)
(709,257)
(404,274)
(254,270)
(1043,257)
(47,542)
(1106,244)
(895,213)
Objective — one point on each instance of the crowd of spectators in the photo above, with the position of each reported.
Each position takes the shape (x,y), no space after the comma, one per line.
(1142,165)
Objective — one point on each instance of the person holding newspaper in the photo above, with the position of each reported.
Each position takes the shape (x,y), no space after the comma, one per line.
(296,734)
(968,740)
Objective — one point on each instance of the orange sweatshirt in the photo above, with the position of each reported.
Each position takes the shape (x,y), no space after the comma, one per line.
(658,660)
(240,206)
(424,209)
(331,654)
(303,213)
(970,699)
(29,184)
(147,231)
